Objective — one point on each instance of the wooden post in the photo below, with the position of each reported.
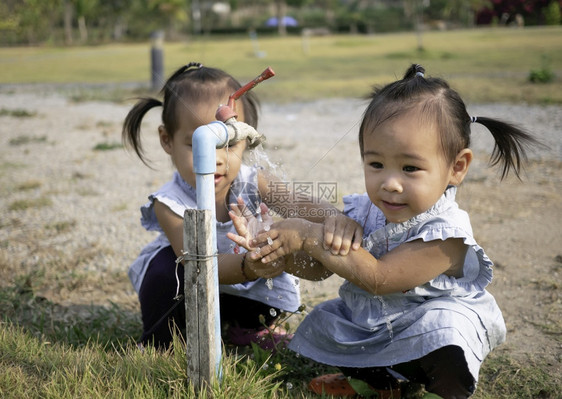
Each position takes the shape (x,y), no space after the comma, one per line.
(157,60)
(200,306)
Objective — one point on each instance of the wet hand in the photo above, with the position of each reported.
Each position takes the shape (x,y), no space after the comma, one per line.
(246,223)
(264,270)
(283,238)
(341,234)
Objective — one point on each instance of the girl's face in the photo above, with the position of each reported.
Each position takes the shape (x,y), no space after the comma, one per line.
(405,169)
(180,148)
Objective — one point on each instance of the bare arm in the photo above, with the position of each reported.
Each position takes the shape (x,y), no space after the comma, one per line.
(340,232)
(407,266)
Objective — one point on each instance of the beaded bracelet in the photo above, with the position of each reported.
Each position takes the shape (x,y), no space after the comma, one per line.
(242,268)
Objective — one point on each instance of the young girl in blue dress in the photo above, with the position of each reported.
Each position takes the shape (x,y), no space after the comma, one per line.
(414,304)
(191,97)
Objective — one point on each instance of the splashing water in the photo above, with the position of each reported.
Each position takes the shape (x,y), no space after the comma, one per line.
(254,227)
(258,223)
(259,218)
(269,283)
(260,160)
(384,308)
(370,243)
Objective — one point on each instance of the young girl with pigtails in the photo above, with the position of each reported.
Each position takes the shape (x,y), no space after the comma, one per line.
(191,97)
(414,305)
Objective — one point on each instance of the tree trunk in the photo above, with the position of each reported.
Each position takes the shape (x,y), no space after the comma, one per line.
(68,22)
(281,10)
(83,29)
(119,29)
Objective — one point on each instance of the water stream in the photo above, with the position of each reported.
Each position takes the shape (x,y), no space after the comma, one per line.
(258,158)
(384,309)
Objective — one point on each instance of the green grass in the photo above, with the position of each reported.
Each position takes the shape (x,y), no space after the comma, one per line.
(29,185)
(32,368)
(107,146)
(22,140)
(46,352)
(16,113)
(23,204)
(503,377)
(484,64)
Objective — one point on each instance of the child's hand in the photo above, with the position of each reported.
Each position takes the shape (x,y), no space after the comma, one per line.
(342,233)
(283,238)
(247,224)
(265,270)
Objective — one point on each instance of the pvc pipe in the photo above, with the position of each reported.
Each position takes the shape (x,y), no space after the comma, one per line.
(206,139)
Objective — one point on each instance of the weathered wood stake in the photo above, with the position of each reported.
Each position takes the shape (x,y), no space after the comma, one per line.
(200,301)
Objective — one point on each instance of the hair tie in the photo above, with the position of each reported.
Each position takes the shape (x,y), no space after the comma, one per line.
(473,119)
(196,65)
(420,74)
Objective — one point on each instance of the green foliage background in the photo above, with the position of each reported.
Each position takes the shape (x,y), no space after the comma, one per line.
(72,22)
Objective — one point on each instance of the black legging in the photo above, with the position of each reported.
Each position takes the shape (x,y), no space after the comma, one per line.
(443,372)
(157,294)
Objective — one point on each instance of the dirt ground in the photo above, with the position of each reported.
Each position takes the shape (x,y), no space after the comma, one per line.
(48,159)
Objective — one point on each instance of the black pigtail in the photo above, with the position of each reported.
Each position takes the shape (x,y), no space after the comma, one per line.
(413,71)
(510,147)
(132,125)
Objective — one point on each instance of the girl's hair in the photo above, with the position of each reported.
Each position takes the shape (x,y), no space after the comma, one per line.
(190,84)
(439,105)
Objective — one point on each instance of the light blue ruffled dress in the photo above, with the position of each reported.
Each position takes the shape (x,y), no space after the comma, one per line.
(359,329)
(283,294)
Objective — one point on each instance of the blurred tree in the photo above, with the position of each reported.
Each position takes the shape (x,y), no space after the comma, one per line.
(41,21)
(147,16)
(36,19)
(281,11)
(84,9)
(112,18)
(552,14)
(455,12)
(508,11)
